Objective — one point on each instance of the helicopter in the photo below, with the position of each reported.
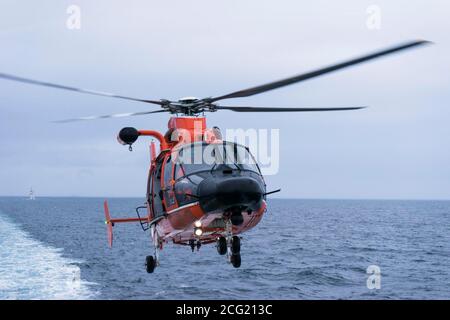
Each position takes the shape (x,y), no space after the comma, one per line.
(214,198)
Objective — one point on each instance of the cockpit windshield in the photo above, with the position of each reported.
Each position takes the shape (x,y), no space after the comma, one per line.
(201,156)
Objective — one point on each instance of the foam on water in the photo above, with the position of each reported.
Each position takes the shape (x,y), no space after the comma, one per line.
(31,270)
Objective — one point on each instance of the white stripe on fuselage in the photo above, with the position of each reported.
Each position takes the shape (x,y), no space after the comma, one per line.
(183,207)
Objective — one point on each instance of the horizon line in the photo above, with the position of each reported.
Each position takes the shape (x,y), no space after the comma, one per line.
(274,198)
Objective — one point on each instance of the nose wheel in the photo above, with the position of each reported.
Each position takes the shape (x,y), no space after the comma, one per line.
(222,246)
(235,245)
(230,245)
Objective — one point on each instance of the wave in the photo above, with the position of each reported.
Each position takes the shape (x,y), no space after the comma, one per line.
(32,270)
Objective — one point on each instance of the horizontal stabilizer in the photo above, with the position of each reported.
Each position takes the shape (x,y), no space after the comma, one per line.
(109,224)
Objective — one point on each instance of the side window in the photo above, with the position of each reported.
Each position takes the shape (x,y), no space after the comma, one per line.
(156,191)
(169,194)
(167,172)
(149,187)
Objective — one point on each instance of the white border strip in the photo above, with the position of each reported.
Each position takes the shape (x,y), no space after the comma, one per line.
(183,207)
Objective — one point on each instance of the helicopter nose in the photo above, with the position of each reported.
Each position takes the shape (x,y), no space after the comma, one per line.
(229,193)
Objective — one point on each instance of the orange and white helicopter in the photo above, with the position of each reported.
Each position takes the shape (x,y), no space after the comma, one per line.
(202,189)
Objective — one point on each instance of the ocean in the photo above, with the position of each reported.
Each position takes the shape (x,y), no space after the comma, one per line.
(56,248)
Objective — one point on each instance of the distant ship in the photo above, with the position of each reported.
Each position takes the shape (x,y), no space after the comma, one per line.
(31,195)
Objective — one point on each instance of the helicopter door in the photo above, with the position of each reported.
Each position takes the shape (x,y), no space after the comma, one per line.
(156,193)
(169,193)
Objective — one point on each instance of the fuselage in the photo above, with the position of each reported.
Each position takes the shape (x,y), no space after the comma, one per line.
(199,182)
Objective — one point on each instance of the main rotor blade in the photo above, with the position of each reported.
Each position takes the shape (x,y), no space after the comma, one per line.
(275,109)
(58,86)
(305,76)
(117,115)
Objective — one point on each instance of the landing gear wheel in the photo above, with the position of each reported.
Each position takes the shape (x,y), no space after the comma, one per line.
(150,264)
(235,260)
(222,246)
(235,245)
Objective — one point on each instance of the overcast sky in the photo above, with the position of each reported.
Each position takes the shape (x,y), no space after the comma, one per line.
(398,148)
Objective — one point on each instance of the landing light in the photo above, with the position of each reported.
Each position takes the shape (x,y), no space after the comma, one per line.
(198,224)
(198,232)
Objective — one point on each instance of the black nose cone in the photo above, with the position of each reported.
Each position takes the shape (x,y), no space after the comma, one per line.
(231,192)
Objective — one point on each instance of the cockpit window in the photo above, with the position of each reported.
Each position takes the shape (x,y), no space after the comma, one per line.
(201,156)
